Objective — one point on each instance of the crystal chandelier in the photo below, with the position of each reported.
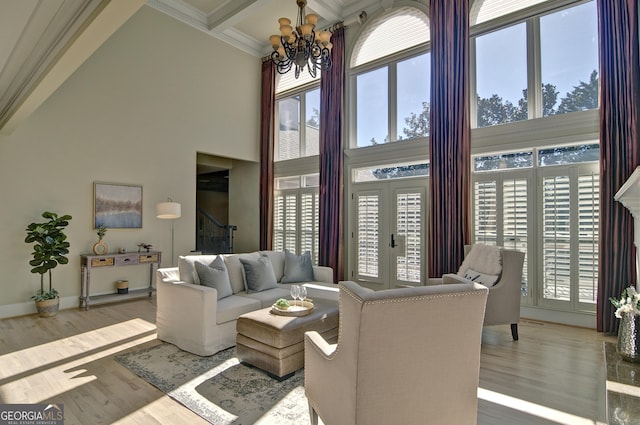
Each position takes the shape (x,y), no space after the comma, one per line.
(302,46)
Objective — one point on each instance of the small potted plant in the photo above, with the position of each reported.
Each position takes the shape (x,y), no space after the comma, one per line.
(50,249)
(100,247)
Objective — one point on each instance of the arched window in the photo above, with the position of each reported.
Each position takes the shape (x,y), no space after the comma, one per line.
(487,10)
(394,32)
(392,94)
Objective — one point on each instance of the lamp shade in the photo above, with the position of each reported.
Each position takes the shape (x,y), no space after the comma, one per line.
(168,210)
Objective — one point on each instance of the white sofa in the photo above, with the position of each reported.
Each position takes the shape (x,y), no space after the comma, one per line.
(190,316)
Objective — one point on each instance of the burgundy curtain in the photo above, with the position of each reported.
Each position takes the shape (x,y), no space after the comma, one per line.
(450,136)
(266,154)
(331,161)
(619,155)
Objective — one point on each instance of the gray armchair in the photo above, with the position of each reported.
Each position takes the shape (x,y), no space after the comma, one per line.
(403,356)
(503,303)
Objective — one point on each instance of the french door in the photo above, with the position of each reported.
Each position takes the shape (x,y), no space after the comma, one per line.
(388,233)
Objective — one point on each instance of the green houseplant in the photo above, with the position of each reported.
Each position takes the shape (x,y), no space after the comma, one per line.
(50,249)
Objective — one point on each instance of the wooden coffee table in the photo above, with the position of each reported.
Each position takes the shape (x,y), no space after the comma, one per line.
(275,343)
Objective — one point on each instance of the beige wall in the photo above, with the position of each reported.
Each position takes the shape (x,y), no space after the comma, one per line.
(244,206)
(136,112)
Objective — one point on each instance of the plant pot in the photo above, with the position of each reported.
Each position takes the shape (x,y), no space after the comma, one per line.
(48,308)
(122,286)
(100,248)
(629,338)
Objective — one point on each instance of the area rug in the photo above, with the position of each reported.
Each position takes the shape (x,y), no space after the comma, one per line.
(219,388)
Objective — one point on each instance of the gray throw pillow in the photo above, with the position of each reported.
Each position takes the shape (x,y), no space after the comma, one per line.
(215,275)
(297,268)
(258,274)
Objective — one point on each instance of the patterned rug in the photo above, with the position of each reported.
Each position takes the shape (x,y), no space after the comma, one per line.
(219,388)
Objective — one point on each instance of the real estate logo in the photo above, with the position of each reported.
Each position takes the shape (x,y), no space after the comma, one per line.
(31,414)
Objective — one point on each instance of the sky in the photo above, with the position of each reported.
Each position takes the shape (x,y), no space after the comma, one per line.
(569,53)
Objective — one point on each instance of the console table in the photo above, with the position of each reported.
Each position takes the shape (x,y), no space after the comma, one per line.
(89,262)
(623,388)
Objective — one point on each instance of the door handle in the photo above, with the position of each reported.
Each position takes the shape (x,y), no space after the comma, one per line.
(393,242)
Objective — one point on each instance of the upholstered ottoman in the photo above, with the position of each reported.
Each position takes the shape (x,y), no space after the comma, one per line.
(276,343)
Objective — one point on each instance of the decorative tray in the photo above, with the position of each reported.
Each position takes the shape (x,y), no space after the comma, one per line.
(297,308)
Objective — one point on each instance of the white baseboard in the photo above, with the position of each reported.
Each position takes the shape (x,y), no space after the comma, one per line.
(584,320)
(29,307)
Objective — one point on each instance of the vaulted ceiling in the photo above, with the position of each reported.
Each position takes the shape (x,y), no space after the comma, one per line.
(42,42)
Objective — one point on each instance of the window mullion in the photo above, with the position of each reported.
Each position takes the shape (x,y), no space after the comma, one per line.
(393,101)
(534,69)
(574,242)
(303,125)
(473,91)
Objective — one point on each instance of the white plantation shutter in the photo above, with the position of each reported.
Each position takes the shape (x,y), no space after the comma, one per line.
(295,221)
(309,224)
(290,229)
(556,239)
(501,213)
(588,218)
(278,223)
(485,212)
(409,227)
(398,30)
(368,235)
(515,222)
(486,10)
(555,225)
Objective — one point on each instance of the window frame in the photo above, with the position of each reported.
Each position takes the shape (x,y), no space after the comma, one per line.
(298,193)
(531,17)
(390,62)
(300,91)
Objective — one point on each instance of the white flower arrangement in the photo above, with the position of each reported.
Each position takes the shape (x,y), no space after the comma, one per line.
(629,302)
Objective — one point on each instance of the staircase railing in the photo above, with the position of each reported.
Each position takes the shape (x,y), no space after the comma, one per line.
(212,236)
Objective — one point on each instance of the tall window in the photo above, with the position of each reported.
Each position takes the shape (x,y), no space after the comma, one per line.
(569,60)
(392,86)
(562,272)
(547,64)
(295,217)
(298,132)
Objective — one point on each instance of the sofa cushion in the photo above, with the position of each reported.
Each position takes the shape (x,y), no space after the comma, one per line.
(317,290)
(277,261)
(297,268)
(258,274)
(188,271)
(231,307)
(235,269)
(215,275)
(268,298)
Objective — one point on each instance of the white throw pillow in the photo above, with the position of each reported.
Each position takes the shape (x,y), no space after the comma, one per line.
(487,280)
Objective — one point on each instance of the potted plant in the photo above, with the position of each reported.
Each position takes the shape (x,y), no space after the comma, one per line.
(49,250)
(628,310)
(100,247)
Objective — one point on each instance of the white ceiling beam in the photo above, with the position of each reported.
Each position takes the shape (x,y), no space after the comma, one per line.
(182,12)
(233,12)
(328,9)
(97,31)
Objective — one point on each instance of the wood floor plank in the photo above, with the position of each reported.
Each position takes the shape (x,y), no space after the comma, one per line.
(553,374)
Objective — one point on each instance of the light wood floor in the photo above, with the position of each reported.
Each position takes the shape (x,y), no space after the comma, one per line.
(554,374)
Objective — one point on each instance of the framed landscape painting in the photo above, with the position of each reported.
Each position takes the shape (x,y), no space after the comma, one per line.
(117,206)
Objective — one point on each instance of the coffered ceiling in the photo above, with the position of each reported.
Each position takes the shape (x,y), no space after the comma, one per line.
(42,42)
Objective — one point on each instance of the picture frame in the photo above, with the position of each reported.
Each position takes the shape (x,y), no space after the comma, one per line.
(117,206)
